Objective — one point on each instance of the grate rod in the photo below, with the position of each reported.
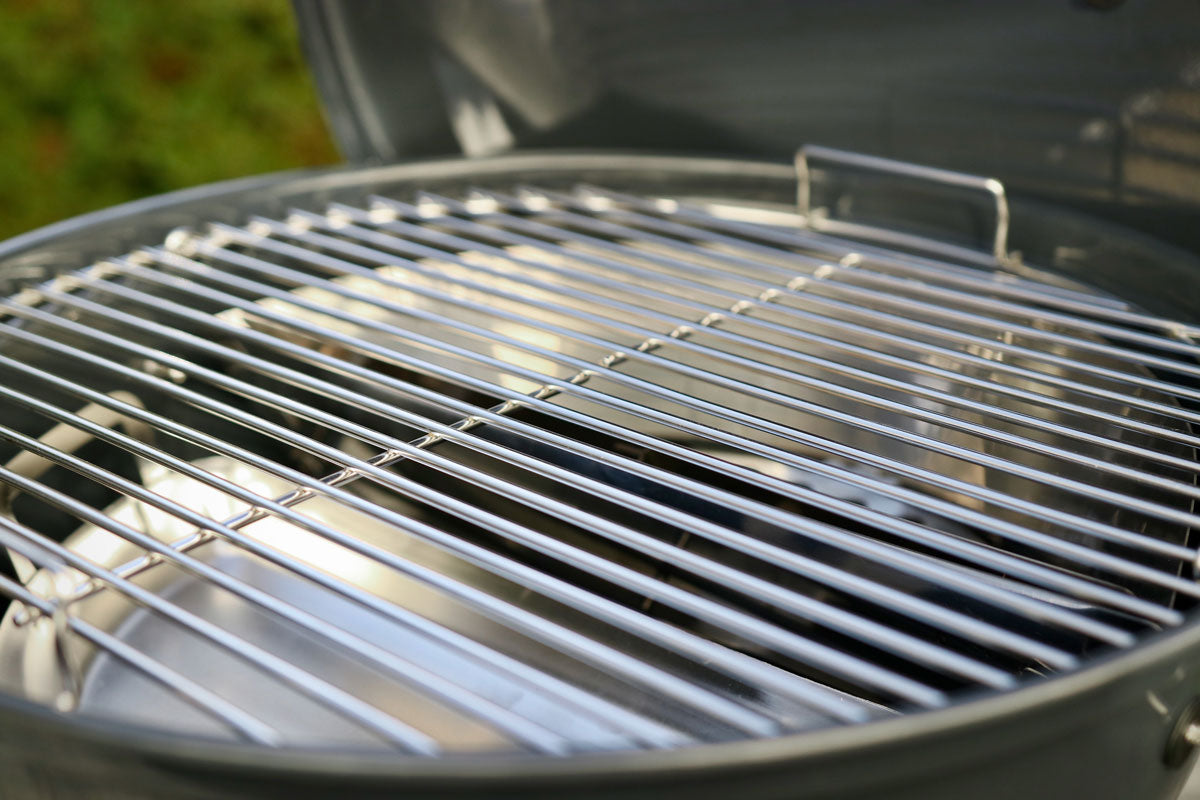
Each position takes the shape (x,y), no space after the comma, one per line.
(19,538)
(1008,530)
(718,314)
(739,300)
(888,555)
(762,511)
(721,411)
(852,267)
(916,608)
(461,698)
(877,295)
(681,328)
(645,730)
(983,521)
(828,659)
(855,584)
(237,720)
(564,639)
(971,277)
(819,276)
(945,543)
(705,652)
(715,316)
(794,288)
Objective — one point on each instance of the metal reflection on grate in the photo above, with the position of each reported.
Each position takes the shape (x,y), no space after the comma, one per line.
(566,472)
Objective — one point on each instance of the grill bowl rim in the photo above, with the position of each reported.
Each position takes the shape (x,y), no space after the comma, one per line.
(984,728)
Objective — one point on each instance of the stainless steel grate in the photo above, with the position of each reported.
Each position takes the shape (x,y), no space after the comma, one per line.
(565,472)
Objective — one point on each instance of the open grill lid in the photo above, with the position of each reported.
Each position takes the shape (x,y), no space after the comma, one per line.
(1093,104)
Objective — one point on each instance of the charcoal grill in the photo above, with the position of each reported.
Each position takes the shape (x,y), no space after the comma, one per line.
(596,472)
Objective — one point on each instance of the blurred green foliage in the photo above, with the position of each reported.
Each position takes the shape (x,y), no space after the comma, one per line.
(103,101)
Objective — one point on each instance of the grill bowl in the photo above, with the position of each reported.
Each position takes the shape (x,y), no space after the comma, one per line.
(989,734)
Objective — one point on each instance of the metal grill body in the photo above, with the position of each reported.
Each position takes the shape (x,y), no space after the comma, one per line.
(541,470)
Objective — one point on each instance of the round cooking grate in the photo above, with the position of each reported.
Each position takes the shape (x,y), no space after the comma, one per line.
(568,470)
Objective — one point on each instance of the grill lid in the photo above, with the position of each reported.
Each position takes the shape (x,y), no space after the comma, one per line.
(562,472)
(1025,90)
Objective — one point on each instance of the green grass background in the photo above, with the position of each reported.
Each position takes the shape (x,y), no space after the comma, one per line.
(103,101)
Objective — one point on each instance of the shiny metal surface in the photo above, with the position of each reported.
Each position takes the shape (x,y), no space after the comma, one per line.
(1091,108)
(555,472)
